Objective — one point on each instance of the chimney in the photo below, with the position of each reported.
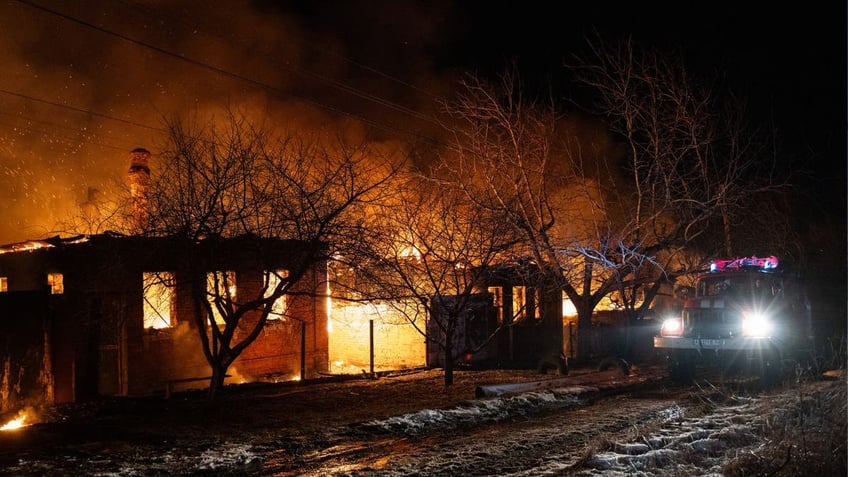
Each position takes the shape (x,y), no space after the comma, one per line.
(139,182)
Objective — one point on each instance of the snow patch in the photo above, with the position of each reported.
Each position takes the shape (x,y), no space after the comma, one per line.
(697,446)
(227,456)
(479,411)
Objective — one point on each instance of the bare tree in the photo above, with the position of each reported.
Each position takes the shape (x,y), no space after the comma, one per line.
(688,163)
(697,168)
(279,199)
(511,160)
(432,247)
(694,161)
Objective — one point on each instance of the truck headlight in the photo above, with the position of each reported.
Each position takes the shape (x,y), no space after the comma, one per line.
(672,327)
(756,325)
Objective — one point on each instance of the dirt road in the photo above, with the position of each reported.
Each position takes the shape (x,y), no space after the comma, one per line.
(538,443)
(654,428)
(592,423)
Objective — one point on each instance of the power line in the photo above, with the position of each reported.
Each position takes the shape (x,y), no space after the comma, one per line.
(67,139)
(79,110)
(215,69)
(317,48)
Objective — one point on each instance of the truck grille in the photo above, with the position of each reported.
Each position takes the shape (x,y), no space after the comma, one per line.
(713,323)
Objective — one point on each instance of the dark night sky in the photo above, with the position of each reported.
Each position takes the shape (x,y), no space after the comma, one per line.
(75,97)
(782,55)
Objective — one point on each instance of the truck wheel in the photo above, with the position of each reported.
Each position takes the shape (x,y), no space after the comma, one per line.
(681,366)
(808,364)
(770,367)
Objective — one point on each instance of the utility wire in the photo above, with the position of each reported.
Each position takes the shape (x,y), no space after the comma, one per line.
(80,110)
(67,139)
(53,126)
(212,68)
(312,46)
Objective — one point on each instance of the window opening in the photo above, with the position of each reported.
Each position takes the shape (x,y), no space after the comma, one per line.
(158,293)
(278,309)
(497,301)
(519,303)
(56,282)
(220,288)
(537,304)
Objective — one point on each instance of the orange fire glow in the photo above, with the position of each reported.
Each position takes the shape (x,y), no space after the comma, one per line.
(397,344)
(16,423)
(24,246)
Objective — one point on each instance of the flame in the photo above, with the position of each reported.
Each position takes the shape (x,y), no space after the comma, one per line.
(410,252)
(397,344)
(24,246)
(15,423)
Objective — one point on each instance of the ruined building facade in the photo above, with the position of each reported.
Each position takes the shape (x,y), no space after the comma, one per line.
(81,319)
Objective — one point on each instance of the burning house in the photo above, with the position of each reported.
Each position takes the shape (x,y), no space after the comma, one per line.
(515,319)
(105,314)
(520,317)
(109,315)
(119,315)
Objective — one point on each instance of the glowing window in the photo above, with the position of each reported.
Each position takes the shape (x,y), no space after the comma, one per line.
(497,301)
(537,304)
(519,303)
(220,289)
(568,308)
(56,282)
(278,309)
(158,293)
(4,284)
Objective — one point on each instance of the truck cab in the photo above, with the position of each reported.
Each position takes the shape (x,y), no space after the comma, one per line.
(745,311)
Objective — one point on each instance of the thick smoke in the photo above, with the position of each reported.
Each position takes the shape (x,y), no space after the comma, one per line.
(75,97)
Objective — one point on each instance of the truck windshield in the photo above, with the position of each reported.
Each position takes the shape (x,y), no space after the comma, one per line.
(753,285)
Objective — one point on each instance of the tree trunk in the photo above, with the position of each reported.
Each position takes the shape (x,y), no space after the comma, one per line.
(630,321)
(584,315)
(584,330)
(216,384)
(448,365)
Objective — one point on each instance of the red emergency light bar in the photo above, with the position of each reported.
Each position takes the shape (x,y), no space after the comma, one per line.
(765,263)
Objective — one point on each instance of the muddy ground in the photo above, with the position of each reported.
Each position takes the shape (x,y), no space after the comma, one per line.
(265,429)
(280,407)
(258,412)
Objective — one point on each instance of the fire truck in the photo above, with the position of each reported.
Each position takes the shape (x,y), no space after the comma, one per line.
(746,314)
